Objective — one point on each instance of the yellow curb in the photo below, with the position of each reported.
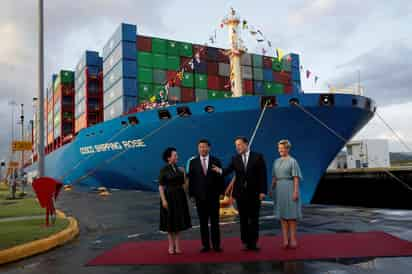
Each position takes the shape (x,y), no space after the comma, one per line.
(39,246)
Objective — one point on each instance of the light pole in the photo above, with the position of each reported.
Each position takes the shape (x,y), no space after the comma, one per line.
(40,145)
(22,134)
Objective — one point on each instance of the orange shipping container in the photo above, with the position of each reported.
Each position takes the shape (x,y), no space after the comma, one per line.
(80,123)
(50,138)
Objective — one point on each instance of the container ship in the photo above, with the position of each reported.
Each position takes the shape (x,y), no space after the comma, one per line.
(109,119)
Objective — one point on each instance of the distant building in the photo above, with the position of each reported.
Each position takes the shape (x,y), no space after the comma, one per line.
(370,153)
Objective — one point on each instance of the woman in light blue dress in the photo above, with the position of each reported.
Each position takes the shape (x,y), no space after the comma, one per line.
(286,176)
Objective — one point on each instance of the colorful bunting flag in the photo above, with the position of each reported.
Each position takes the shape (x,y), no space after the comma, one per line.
(244,24)
(308,74)
(316,79)
(279,54)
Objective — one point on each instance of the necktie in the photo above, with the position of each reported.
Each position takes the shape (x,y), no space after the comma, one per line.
(204,165)
(244,160)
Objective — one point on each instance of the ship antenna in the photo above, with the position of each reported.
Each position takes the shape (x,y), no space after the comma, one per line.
(235,52)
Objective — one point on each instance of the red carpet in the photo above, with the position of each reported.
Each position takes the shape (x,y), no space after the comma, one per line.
(312,246)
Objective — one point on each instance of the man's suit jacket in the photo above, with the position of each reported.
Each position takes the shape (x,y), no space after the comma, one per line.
(250,181)
(203,186)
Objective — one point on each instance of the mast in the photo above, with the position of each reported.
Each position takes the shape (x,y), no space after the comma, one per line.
(236,50)
(40,109)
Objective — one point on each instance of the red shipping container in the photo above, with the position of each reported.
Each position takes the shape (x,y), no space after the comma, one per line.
(188,95)
(267,62)
(144,43)
(201,50)
(212,68)
(288,89)
(222,57)
(248,86)
(214,82)
(170,75)
(225,83)
(281,77)
(184,63)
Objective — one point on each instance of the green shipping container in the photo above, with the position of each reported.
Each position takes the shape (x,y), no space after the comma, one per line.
(145,59)
(145,91)
(217,94)
(257,60)
(145,75)
(187,80)
(258,74)
(159,61)
(173,48)
(201,81)
(273,88)
(159,46)
(173,63)
(66,77)
(157,89)
(185,49)
(159,76)
(276,64)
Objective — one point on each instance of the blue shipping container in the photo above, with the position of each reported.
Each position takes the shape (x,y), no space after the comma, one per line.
(268,75)
(125,32)
(125,50)
(259,89)
(295,74)
(123,69)
(201,67)
(119,107)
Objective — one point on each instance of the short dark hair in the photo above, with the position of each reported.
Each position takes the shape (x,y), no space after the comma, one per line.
(167,153)
(204,141)
(242,138)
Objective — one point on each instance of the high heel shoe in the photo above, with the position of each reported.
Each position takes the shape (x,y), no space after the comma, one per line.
(293,245)
(284,245)
(172,251)
(178,252)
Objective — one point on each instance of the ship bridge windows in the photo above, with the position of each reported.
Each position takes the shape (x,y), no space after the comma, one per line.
(354,102)
(268,101)
(209,109)
(368,104)
(294,101)
(164,114)
(326,100)
(184,111)
(133,120)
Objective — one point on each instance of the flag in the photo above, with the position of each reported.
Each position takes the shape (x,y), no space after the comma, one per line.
(279,54)
(222,25)
(153,99)
(263,51)
(260,40)
(316,79)
(301,67)
(308,73)
(269,44)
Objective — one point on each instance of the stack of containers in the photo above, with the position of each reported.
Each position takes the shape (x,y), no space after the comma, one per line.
(119,70)
(88,91)
(49,114)
(63,108)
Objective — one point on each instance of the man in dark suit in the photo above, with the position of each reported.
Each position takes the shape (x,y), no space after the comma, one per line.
(249,189)
(205,187)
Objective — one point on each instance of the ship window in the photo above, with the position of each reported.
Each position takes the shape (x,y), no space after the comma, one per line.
(184,111)
(354,102)
(294,101)
(268,101)
(164,114)
(124,123)
(209,109)
(368,104)
(133,120)
(326,100)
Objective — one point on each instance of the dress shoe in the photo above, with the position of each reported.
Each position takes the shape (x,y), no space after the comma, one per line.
(253,247)
(218,249)
(205,249)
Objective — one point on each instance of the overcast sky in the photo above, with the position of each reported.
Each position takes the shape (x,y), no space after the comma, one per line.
(335,39)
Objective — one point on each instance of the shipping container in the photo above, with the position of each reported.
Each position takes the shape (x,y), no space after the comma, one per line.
(159,46)
(124,69)
(188,95)
(124,32)
(226,83)
(295,75)
(119,107)
(248,86)
(201,50)
(214,82)
(258,74)
(276,64)
(159,76)
(224,69)
(173,63)
(145,92)
(124,51)
(273,88)
(173,48)
(188,80)
(185,63)
(88,59)
(217,94)
(80,108)
(268,75)
(201,81)
(212,54)
(201,94)
(267,62)
(246,59)
(80,123)
(144,43)
(222,56)
(247,72)
(258,87)
(172,76)
(282,77)
(257,60)
(185,49)
(123,87)
(145,75)
(159,61)
(286,63)
(175,94)
(200,67)
(288,89)
(144,59)
(212,68)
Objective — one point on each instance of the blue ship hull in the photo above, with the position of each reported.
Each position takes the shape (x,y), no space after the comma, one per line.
(116,154)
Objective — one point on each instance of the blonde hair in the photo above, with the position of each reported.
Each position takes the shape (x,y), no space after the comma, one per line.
(286,143)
